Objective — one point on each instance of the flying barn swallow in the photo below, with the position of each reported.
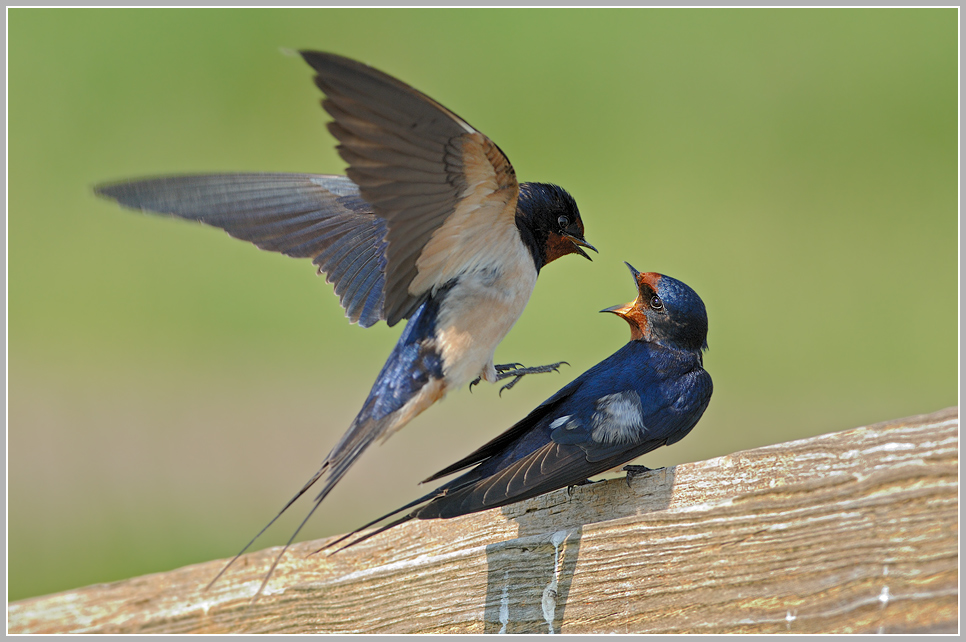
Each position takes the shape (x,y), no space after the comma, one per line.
(430,225)
(648,394)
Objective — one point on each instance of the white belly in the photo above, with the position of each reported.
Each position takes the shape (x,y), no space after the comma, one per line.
(479,311)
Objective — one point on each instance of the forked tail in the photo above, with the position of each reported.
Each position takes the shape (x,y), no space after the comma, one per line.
(410,381)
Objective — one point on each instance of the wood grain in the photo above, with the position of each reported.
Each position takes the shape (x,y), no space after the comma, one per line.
(850,532)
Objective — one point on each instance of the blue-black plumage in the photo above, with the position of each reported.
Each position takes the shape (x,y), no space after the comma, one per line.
(648,394)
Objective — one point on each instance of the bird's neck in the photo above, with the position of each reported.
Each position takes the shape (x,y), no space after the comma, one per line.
(534,236)
(531,240)
(670,350)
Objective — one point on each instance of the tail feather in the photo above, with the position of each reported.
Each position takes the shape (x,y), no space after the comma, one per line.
(247,546)
(410,381)
(364,431)
(425,498)
(358,540)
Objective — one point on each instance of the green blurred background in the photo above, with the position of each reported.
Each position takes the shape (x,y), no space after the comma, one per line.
(170,387)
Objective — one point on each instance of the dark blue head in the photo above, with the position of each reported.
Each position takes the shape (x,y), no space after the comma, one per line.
(549,223)
(665,311)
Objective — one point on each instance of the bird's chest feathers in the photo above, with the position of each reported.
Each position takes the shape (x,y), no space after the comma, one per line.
(480,308)
(481,230)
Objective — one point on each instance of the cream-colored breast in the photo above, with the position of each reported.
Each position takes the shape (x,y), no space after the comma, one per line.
(479,311)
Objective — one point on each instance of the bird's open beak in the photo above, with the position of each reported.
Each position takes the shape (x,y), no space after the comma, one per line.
(581,243)
(621,310)
(624,310)
(633,271)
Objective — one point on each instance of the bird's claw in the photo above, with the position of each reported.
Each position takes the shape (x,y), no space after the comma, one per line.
(500,370)
(633,471)
(517,371)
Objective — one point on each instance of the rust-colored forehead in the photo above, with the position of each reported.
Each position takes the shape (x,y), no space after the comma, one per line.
(650,279)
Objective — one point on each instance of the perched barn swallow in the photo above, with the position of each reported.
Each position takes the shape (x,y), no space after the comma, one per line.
(648,394)
(430,225)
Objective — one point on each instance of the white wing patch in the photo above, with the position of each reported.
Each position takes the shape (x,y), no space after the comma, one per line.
(618,419)
(559,421)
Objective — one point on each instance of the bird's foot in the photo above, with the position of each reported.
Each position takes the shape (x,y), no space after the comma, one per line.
(500,369)
(517,371)
(633,471)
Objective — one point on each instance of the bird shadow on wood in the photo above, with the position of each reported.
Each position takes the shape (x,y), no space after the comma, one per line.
(529,577)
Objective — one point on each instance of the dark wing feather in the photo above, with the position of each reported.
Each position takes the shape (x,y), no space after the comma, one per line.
(497,445)
(416,162)
(530,459)
(497,482)
(301,215)
(548,468)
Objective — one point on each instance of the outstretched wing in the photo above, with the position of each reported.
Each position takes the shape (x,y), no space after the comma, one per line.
(301,215)
(447,191)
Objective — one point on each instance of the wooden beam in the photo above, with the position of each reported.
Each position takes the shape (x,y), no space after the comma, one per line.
(850,532)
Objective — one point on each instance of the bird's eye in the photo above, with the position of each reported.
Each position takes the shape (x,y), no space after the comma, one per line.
(656,303)
(563,221)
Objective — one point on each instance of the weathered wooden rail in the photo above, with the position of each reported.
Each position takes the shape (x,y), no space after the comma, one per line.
(850,532)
